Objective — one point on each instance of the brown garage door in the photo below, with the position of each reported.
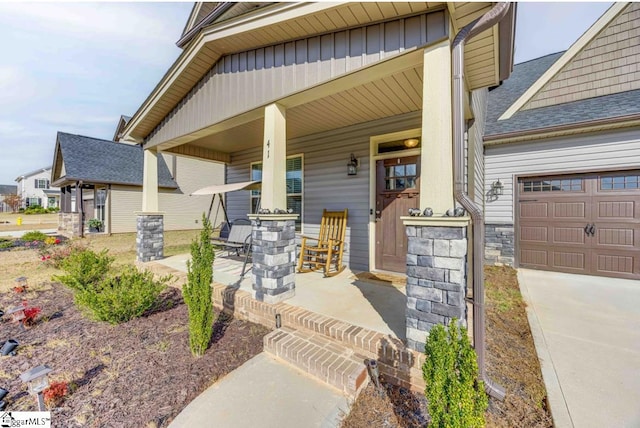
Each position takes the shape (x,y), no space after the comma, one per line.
(588,224)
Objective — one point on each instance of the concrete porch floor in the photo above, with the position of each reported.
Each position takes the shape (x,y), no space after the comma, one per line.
(365,304)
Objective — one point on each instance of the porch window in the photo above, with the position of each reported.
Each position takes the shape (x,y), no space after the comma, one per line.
(101,197)
(294,186)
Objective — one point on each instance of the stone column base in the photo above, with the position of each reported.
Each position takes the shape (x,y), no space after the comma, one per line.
(69,224)
(274,257)
(436,276)
(150,237)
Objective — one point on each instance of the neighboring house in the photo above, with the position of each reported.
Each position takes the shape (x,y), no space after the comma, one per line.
(108,176)
(293,92)
(6,189)
(35,189)
(563,137)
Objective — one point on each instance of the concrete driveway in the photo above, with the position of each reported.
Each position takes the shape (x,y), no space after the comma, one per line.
(587,334)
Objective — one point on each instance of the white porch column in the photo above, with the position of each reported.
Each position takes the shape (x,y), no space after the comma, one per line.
(150,222)
(436,189)
(150,182)
(274,158)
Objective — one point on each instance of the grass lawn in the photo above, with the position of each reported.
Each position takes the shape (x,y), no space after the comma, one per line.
(511,362)
(14,264)
(137,374)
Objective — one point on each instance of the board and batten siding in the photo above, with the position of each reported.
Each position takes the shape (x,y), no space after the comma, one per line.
(475,143)
(242,81)
(602,151)
(181,211)
(326,183)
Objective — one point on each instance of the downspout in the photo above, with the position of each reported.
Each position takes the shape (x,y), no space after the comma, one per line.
(495,15)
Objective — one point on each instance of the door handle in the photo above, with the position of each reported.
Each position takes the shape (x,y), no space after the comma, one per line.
(586,229)
(592,229)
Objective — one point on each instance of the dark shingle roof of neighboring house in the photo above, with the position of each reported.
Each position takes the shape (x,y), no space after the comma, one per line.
(523,76)
(101,161)
(8,189)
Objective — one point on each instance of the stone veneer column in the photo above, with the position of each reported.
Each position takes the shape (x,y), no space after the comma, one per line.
(150,237)
(436,275)
(69,224)
(274,257)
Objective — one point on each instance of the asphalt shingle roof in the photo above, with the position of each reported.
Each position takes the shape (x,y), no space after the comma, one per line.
(523,76)
(8,189)
(102,161)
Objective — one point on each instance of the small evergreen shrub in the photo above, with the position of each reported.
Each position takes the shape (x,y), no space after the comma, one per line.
(197,290)
(120,298)
(84,269)
(34,235)
(455,395)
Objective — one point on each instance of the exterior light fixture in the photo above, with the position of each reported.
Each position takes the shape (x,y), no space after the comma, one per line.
(8,347)
(38,380)
(3,393)
(410,143)
(21,284)
(17,314)
(497,187)
(352,166)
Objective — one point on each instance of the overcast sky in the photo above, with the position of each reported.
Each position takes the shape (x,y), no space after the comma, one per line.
(76,67)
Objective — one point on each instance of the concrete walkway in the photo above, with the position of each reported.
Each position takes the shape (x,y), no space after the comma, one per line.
(587,335)
(19,233)
(265,392)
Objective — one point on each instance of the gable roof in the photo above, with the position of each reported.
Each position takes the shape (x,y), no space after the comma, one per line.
(101,161)
(569,55)
(619,106)
(8,189)
(34,172)
(122,122)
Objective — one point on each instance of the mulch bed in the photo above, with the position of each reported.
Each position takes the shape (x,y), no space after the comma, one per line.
(137,374)
(511,362)
(19,244)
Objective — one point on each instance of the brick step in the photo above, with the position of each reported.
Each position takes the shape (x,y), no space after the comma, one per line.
(321,357)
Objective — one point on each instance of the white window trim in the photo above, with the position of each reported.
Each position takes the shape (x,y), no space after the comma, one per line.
(298,155)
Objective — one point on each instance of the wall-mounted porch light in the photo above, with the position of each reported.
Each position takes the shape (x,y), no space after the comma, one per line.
(497,187)
(352,166)
(410,143)
(38,380)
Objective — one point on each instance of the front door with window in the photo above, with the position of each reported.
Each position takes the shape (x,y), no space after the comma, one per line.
(397,190)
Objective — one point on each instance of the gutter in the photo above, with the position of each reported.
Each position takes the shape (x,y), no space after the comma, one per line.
(215,14)
(494,16)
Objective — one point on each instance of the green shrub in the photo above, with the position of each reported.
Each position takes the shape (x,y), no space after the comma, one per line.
(197,290)
(123,297)
(455,395)
(84,268)
(6,244)
(34,235)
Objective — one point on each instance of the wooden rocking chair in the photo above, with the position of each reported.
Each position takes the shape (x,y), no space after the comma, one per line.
(327,253)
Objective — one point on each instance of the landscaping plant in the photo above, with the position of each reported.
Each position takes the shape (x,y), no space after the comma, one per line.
(55,393)
(120,298)
(84,269)
(55,255)
(197,290)
(455,395)
(34,235)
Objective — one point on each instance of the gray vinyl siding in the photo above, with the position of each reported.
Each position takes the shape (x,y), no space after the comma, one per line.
(242,81)
(476,134)
(326,184)
(602,151)
(181,211)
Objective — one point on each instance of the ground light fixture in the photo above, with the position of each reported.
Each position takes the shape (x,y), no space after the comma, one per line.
(17,314)
(352,166)
(8,347)
(38,380)
(3,393)
(21,283)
